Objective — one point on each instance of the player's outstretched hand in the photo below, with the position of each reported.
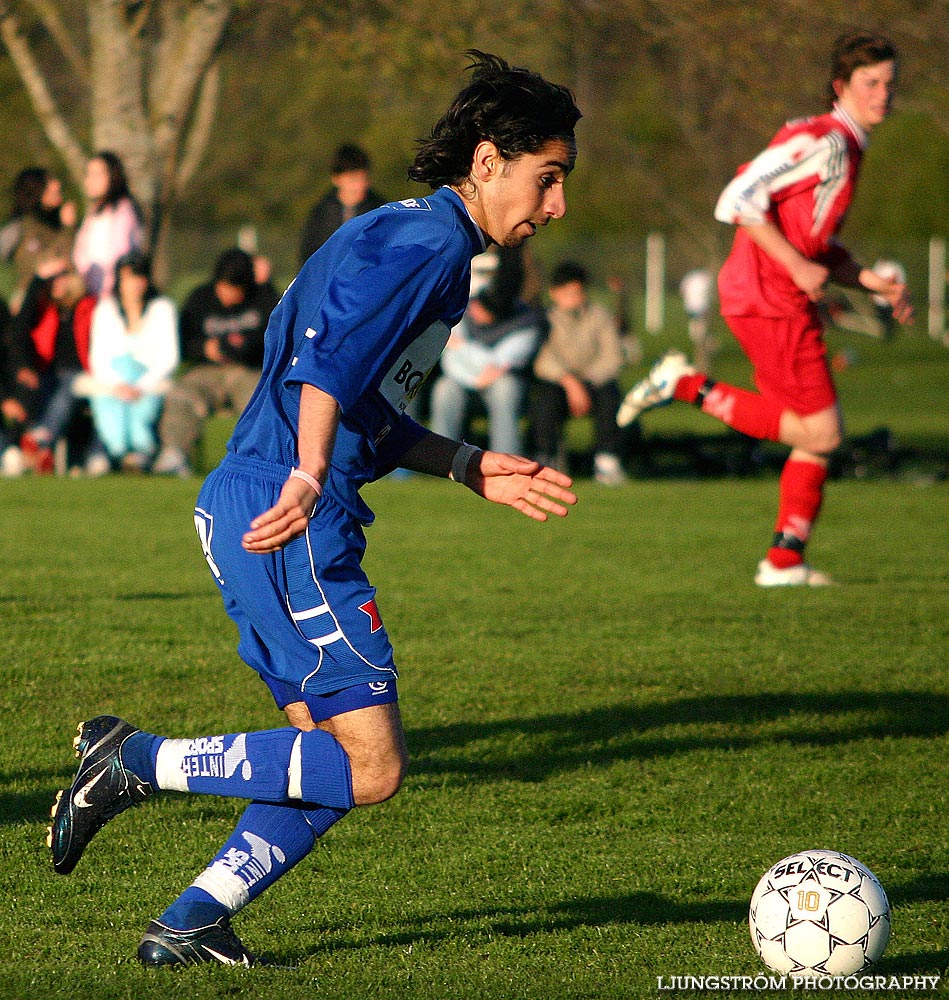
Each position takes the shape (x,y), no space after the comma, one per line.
(527,486)
(897,295)
(286,520)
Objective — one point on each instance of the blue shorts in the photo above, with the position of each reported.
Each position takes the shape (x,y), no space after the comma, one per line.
(306,615)
(326,706)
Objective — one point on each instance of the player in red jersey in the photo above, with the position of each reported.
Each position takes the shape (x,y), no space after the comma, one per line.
(788,204)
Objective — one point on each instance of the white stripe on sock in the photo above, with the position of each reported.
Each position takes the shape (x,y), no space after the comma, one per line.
(168,773)
(295,770)
(228,889)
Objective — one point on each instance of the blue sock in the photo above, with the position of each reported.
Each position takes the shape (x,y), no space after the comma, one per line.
(138,755)
(274,765)
(268,841)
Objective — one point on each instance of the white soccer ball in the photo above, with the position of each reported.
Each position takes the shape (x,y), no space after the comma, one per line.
(819,913)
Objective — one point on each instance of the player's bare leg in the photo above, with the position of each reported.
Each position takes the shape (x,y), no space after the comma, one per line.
(374,741)
(813,437)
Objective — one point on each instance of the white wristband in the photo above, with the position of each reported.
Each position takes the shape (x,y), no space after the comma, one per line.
(308,479)
(314,484)
(461,461)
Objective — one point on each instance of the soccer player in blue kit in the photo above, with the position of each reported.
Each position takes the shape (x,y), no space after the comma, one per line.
(281,518)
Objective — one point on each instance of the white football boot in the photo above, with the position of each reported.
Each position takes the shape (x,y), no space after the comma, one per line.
(656,389)
(801,575)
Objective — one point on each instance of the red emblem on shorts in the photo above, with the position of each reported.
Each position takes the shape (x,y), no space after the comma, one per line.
(375,618)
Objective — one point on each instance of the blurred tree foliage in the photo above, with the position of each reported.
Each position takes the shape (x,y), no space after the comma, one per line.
(675,94)
(138,78)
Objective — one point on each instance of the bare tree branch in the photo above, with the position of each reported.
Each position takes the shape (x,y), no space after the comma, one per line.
(49,15)
(140,19)
(194,48)
(201,126)
(47,111)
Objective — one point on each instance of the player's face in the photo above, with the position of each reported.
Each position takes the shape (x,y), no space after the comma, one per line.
(520,195)
(866,96)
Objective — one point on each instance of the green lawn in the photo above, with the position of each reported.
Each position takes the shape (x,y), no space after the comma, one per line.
(613,732)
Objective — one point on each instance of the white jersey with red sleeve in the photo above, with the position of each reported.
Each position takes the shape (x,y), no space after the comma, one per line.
(803,182)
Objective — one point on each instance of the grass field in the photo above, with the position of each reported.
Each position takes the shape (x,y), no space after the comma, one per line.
(613,732)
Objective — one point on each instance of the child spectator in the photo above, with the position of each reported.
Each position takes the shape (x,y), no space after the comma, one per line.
(49,350)
(489,356)
(12,412)
(352,194)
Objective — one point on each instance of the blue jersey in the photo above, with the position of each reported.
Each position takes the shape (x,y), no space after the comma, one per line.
(365,320)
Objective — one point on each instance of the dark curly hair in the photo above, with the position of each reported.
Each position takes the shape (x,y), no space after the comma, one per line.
(515,108)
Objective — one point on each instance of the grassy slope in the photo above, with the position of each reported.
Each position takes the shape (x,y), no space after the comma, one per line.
(613,733)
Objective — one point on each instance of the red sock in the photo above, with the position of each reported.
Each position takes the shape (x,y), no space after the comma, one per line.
(801,495)
(748,412)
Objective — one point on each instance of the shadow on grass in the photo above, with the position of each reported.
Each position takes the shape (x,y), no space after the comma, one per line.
(917,963)
(532,749)
(635,909)
(33,806)
(928,888)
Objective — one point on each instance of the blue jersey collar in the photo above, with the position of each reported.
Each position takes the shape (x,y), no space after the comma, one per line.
(452,193)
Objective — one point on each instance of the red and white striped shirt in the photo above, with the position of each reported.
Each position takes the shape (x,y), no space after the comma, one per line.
(803,182)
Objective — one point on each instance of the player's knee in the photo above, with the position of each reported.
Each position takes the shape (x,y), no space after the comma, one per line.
(825,441)
(379,782)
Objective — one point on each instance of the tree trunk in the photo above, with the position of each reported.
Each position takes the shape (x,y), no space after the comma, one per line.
(149,87)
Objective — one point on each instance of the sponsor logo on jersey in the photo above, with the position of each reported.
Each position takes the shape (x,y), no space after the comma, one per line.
(405,377)
(414,203)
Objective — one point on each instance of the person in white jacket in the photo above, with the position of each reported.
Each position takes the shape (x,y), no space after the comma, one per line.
(133,352)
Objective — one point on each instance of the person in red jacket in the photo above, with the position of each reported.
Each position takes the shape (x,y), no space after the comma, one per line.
(48,350)
(788,205)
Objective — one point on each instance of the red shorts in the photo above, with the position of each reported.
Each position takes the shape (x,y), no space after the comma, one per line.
(789,358)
